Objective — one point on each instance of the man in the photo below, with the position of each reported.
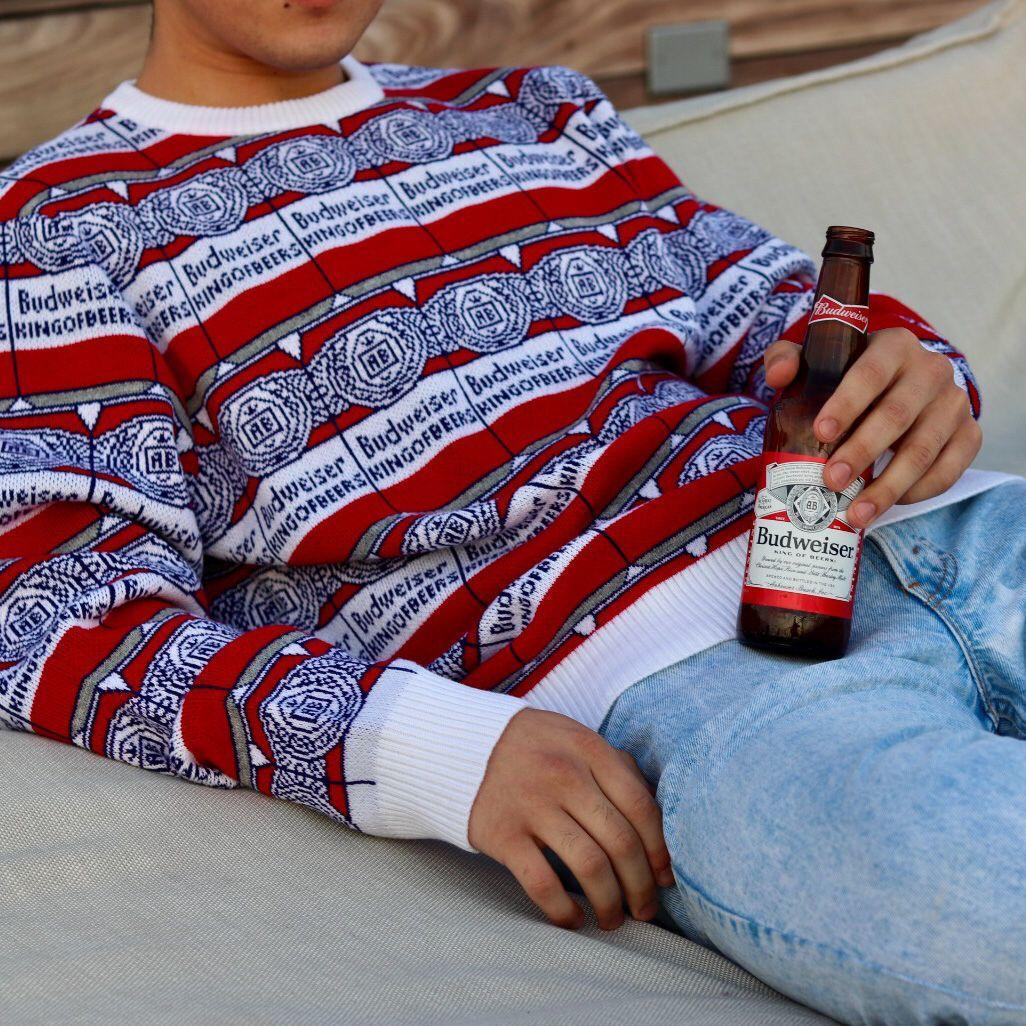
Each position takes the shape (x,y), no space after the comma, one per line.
(384,438)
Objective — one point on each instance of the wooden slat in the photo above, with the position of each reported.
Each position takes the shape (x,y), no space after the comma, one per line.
(57,66)
(607,37)
(632,90)
(16,8)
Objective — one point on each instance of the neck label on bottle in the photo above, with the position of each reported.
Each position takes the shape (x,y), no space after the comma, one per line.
(803,554)
(829,309)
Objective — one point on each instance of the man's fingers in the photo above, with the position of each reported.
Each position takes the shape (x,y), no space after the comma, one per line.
(634,796)
(560,811)
(781,360)
(960,451)
(868,377)
(542,885)
(616,836)
(585,858)
(913,459)
(889,419)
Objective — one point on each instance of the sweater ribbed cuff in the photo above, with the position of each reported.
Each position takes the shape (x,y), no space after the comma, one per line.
(425,742)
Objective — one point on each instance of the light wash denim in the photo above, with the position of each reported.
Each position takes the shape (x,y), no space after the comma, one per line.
(853,832)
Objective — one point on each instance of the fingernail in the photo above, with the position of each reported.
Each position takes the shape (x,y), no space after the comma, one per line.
(665,877)
(647,911)
(839,474)
(863,512)
(827,428)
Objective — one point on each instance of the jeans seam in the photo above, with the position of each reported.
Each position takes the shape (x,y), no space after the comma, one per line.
(862,962)
(979,677)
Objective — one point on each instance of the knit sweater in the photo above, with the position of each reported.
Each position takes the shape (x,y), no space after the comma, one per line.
(336,431)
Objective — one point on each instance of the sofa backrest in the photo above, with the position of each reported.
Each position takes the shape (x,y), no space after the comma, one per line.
(926,145)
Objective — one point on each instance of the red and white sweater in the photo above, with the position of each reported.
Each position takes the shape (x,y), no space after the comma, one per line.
(335,431)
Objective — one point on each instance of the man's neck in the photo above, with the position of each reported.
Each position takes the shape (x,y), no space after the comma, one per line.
(203,75)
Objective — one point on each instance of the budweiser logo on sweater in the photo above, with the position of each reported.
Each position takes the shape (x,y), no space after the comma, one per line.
(829,309)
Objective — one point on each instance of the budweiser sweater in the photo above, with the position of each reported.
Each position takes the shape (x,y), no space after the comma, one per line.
(335,431)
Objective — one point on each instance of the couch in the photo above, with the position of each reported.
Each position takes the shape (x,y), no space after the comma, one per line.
(133,897)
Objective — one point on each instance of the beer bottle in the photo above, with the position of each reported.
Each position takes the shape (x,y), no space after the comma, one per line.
(803,556)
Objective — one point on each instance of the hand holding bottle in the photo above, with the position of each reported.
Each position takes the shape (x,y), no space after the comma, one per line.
(915,408)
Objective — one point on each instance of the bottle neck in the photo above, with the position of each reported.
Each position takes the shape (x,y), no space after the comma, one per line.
(844,278)
(834,340)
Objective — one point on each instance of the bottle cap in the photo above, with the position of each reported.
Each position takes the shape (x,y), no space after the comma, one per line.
(840,231)
(851,242)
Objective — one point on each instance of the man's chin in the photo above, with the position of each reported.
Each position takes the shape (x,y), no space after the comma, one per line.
(295,38)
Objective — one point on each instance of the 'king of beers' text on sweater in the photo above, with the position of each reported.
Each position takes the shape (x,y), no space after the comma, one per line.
(336,430)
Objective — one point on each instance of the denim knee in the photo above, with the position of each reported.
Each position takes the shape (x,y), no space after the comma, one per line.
(895,886)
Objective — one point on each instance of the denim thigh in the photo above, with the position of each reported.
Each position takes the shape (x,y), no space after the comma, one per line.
(853,832)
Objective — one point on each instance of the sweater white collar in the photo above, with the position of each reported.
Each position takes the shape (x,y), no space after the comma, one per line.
(360,90)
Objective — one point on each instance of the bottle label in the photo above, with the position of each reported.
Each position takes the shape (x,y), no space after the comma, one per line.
(829,309)
(802,554)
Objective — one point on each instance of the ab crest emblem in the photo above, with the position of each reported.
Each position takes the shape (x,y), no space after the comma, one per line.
(548,87)
(210,204)
(811,508)
(409,136)
(266,424)
(39,449)
(143,452)
(309,164)
(375,361)
(104,233)
(717,233)
(588,284)
(487,315)
(308,712)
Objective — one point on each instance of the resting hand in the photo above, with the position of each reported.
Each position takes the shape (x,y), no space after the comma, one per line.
(553,782)
(914,408)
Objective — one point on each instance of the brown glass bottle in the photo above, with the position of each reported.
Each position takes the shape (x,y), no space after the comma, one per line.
(803,557)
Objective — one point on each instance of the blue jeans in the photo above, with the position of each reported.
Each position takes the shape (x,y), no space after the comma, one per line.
(853,832)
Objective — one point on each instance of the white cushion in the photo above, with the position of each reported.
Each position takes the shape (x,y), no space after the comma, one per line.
(131,897)
(926,145)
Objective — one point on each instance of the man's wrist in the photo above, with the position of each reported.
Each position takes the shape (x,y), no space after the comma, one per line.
(424,741)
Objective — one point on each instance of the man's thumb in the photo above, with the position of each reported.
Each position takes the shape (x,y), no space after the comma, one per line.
(781,362)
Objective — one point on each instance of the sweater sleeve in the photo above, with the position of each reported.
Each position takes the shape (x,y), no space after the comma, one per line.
(105,638)
(884,312)
(728,285)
